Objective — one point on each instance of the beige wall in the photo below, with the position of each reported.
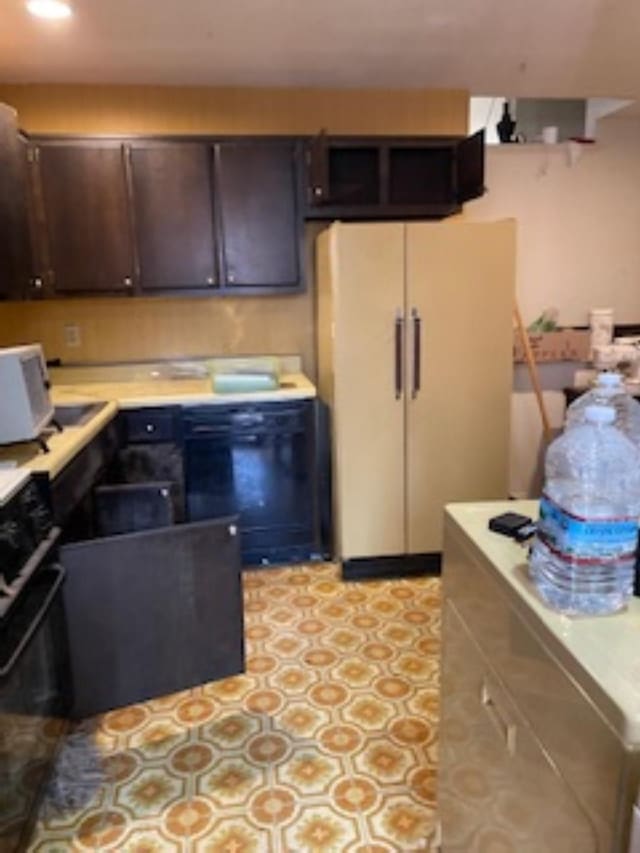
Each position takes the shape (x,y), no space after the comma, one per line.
(578,248)
(180,109)
(122,329)
(578,225)
(140,329)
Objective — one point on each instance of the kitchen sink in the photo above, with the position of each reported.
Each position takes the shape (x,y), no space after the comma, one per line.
(76,414)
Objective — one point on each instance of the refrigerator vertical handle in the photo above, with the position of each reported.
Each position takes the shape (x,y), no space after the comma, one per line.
(399,331)
(417,355)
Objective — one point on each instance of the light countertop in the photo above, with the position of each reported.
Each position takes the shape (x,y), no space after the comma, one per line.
(131,392)
(10,483)
(163,391)
(603,650)
(63,446)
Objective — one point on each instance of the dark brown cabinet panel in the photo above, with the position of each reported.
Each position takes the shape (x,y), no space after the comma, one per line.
(15,248)
(393,177)
(152,613)
(86,217)
(173,215)
(470,167)
(421,175)
(261,223)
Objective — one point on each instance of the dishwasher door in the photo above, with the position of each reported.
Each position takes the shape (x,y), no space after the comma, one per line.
(257,462)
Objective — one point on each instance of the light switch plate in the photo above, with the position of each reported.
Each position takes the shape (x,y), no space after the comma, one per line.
(72,336)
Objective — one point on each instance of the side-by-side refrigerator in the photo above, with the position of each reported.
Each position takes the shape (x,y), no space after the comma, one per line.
(415,363)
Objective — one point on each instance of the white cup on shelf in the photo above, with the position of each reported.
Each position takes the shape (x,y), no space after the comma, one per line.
(550,135)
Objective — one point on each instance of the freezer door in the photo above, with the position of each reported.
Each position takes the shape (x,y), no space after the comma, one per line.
(460,292)
(361,267)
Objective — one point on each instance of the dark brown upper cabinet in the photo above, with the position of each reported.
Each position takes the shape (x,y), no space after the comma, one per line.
(257,185)
(15,246)
(390,177)
(171,186)
(82,191)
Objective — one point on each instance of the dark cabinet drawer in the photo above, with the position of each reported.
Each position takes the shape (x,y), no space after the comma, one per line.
(148,426)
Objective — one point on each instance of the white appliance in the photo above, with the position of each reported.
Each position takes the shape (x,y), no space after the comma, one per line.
(622,355)
(25,405)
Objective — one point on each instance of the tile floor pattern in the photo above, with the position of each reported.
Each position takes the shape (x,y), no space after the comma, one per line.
(326,745)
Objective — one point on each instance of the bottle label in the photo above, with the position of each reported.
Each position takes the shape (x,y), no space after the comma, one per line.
(582,540)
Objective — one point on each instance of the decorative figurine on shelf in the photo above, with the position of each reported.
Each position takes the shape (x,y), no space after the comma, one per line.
(506,125)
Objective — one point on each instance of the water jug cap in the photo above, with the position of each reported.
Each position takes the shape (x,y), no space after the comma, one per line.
(609,380)
(599,415)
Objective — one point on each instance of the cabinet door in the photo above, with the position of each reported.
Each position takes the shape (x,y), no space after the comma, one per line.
(361,268)
(460,286)
(470,167)
(173,214)
(257,188)
(497,789)
(86,212)
(152,613)
(15,248)
(163,460)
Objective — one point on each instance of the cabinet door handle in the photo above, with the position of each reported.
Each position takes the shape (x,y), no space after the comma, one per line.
(399,332)
(417,355)
(506,729)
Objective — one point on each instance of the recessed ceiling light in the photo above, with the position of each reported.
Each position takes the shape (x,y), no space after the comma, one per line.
(52,9)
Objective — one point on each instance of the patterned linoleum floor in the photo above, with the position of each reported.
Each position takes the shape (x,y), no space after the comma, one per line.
(326,745)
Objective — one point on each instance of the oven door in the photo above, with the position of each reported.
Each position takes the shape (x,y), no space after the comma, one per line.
(34,697)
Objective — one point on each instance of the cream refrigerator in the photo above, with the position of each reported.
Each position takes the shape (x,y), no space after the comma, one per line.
(415,364)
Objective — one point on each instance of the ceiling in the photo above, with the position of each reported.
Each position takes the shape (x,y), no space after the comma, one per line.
(570,48)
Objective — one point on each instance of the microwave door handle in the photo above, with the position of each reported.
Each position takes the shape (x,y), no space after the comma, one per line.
(35,622)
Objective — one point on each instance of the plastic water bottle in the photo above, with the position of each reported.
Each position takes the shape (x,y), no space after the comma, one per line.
(583,556)
(609,390)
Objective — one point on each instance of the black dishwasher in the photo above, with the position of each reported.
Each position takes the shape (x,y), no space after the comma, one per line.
(257,462)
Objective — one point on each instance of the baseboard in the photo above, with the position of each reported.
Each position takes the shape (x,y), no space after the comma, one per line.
(397,566)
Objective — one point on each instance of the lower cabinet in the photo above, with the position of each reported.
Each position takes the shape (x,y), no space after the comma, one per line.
(151,452)
(497,787)
(530,759)
(152,613)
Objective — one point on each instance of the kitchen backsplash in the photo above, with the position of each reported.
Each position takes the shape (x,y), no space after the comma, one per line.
(140,329)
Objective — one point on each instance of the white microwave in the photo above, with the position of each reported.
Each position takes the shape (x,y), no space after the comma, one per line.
(25,405)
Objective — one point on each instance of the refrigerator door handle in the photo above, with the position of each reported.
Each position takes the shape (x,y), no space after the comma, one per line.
(417,354)
(399,333)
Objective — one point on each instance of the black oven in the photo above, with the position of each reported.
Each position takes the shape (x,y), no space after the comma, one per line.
(34,675)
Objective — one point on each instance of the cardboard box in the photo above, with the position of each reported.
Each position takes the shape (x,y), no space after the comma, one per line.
(562,345)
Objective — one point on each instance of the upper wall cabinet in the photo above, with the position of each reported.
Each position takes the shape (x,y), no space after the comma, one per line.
(174,215)
(391,177)
(171,185)
(257,187)
(82,191)
(15,248)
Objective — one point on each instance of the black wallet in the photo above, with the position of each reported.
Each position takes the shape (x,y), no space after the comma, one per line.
(512,524)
